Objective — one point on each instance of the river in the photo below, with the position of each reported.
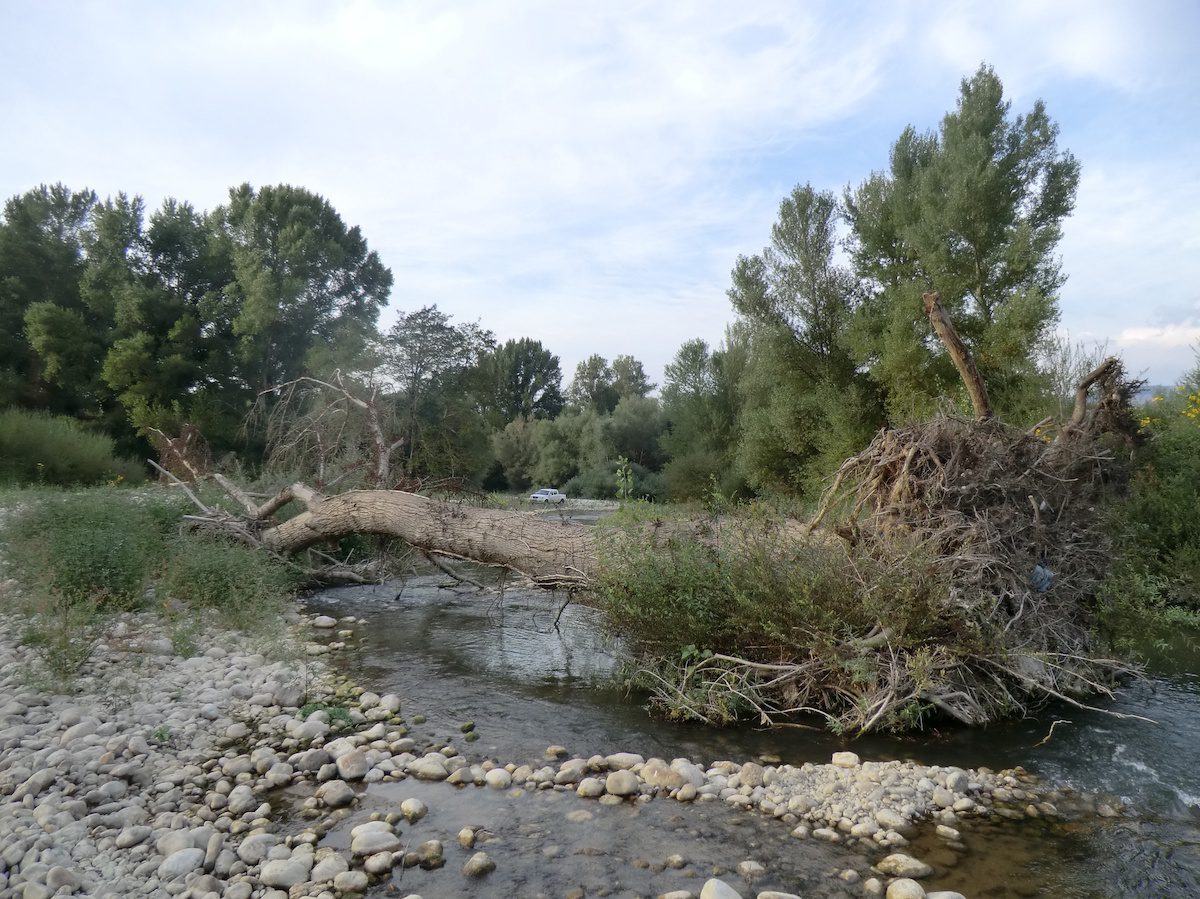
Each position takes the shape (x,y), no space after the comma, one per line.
(529,672)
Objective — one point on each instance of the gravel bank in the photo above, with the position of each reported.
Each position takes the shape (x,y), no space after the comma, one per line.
(160,776)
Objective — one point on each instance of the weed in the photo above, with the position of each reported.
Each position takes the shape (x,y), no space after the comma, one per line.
(162,735)
(97,547)
(336,713)
(247,587)
(717,616)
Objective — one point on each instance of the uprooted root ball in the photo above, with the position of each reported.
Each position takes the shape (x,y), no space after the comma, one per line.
(961,580)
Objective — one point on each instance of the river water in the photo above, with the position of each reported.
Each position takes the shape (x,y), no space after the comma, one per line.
(529,672)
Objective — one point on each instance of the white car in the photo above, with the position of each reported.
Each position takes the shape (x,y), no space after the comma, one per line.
(548,495)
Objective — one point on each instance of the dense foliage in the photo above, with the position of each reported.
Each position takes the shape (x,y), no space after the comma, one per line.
(39,448)
(1158,565)
(136,321)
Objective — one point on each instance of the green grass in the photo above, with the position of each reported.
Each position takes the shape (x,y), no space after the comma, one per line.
(336,712)
(97,547)
(706,602)
(37,448)
(243,585)
(82,556)
(1155,580)
(766,592)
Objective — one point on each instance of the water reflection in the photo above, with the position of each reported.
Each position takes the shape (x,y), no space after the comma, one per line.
(530,672)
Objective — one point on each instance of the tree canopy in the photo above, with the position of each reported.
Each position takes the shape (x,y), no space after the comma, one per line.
(973,211)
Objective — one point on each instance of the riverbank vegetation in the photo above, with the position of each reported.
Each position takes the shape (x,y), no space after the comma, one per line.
(40,448)
(886,507)
(79,558)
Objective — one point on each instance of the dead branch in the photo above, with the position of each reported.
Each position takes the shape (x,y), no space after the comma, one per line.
(292,432)
(959,354)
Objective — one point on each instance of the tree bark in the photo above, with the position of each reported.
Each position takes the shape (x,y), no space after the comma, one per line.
(960,355)
(551,553)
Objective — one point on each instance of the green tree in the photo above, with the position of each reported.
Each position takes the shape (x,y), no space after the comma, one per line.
(702,407)
(629,378)
(973,211)
(41,261)
(520,379)
(173,358)
(576,441)
(807,405)
(301,279)
(594,385)
(636,430)
(516,450)
(433,363)
(72,340)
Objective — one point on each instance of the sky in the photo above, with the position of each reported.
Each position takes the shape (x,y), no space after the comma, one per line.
(587,173)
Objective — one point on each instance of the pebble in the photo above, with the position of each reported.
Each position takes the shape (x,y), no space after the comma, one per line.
(621,783)
(181,862)
(287,872)
(170,779)
(905,888)
(718,889)
(751,870)
(335,793)
(479,864)
(498,779)
(351,882)
(900,865)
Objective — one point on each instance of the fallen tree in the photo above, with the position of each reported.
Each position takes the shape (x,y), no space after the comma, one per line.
(951,568)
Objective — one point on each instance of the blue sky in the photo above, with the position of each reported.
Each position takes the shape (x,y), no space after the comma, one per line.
(587,173)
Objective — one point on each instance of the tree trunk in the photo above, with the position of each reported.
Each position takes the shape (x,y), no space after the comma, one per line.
(550,553)
(959,353)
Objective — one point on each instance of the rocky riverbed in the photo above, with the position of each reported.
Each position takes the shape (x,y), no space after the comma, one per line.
(231,774)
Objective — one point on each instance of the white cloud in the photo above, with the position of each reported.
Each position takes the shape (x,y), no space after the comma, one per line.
(1133,253)
(581,173)
(1171,337)
(1032,43)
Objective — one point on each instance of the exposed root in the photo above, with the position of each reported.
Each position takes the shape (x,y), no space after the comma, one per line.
(1008,519)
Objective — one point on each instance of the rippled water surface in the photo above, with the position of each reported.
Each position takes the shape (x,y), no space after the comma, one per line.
(530,672)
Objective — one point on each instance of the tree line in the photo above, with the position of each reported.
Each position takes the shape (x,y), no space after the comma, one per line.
(136,321)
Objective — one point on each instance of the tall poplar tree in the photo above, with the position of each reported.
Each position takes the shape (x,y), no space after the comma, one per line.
(974,211)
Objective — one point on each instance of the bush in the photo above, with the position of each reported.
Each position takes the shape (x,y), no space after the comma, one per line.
(37,448)
(760,624)
(600,482)
(692,475)
(765,590)
(1157,574)
(244,585)
(98,548)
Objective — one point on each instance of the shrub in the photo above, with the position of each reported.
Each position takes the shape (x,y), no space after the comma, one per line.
(600,482)
(758,623)
(764,590)
(1157,574)
(99,547)
(37,448)
(244,585)
(692,475)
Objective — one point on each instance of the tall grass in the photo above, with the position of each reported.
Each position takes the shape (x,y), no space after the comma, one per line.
(98,547)
(38,448)
(81,557)
(755,623)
